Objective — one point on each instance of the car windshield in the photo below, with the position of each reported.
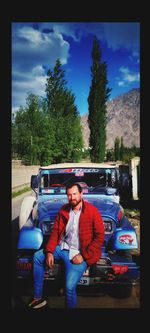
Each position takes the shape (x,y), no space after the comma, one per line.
(91,180)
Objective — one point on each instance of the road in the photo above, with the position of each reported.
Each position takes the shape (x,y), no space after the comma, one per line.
(88,300)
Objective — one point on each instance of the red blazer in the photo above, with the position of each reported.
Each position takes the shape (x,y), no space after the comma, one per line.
(91,231)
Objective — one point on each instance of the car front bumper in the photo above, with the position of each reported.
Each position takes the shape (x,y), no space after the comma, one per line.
(116,270)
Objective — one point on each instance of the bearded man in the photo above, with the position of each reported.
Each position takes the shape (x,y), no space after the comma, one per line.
(76,239)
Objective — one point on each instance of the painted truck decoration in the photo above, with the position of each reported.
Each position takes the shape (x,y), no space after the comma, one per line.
(100,184)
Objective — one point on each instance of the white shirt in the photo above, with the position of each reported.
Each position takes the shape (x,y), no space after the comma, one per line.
(71,239)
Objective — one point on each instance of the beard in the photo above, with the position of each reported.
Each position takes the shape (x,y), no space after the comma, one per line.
(74,202)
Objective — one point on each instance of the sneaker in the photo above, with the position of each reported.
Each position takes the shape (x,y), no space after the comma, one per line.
(37,303)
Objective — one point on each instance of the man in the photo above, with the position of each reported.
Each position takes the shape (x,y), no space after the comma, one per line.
(76,239)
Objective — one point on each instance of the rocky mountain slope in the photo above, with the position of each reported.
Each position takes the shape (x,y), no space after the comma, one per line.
(123,120)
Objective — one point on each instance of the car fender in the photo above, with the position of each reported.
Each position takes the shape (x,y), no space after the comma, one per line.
(26,208)
(124,239)
(30,238)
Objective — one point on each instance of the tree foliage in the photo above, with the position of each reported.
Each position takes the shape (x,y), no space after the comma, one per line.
(98,95)
(32,132)
(117,149)
(62,110)
(121,152)
(48,129)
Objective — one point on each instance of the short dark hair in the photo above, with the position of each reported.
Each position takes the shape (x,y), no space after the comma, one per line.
(74,184)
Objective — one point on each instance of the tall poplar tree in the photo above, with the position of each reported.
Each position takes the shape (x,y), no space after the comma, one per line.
(98,95)
(121,149)
(117,149)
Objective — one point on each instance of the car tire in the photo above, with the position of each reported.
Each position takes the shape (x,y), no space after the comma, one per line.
(26,207)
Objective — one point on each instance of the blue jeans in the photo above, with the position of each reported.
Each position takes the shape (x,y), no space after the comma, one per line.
(73,273)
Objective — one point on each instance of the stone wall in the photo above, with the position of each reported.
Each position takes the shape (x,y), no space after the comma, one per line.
(21,174)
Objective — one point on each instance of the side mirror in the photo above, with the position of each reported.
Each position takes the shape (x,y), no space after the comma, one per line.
(34,182)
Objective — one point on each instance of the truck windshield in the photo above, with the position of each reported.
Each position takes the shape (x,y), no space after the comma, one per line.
(91,180)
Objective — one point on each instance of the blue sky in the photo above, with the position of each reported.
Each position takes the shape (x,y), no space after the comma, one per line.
(37,45)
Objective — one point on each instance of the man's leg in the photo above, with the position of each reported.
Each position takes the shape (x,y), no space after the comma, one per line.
(38,277)
(73,276)
(39,270)
(38,273)
(73,273)
(38,280)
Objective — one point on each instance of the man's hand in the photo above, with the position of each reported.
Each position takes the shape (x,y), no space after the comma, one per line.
(49,260)
(77,259)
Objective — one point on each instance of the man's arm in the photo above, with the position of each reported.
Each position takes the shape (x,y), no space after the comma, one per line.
(49,259)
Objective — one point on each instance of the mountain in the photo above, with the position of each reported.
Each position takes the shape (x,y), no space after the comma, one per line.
(123,120)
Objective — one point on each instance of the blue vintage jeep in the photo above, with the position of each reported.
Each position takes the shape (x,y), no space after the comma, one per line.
(100,183)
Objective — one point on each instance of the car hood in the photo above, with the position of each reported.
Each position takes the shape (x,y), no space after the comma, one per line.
(48,207)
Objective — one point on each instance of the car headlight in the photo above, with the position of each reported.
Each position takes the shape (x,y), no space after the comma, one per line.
(108,225)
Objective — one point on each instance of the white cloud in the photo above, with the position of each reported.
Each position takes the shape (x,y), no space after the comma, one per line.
(31,51)
(33,81)
(36,46)
(30,35)
(15,109)
(135,57)
(115,34)
(127,76)
(120,83)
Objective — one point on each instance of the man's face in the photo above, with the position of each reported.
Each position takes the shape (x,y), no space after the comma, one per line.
(74,196)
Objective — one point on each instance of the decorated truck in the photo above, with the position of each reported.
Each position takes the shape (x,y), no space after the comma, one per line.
(117,266)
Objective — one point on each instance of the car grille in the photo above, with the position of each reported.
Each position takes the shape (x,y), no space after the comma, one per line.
(104,261)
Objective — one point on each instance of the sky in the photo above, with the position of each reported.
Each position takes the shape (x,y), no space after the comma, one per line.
(37,45)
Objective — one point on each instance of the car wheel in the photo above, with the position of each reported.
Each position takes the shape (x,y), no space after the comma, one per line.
(26,207)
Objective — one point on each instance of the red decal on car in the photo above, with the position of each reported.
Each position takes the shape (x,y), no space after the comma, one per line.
(24,265)
(79,174)
(120,269)
(126,239)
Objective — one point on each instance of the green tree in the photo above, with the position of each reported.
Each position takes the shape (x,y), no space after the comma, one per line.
(121,149)
(55,88)
(98,95)
(33,132)
(117,149)
(110,155)
(48,130)
(65,117)
(14,141)
(20,138)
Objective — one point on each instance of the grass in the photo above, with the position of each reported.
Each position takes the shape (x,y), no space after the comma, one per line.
(23,190)
(129,210)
